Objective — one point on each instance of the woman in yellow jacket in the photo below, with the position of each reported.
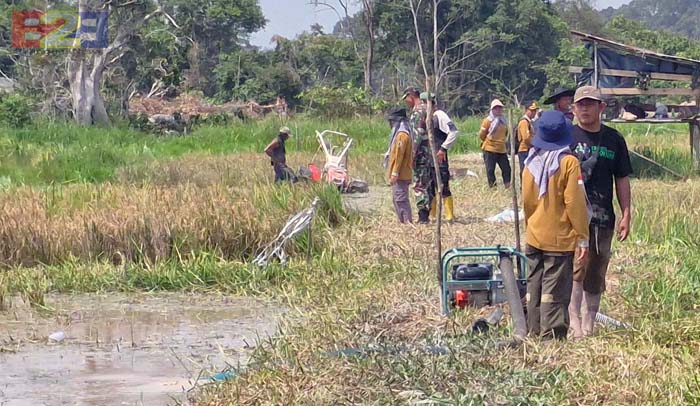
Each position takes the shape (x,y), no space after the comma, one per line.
(400,163)
(557,217)
(493,133)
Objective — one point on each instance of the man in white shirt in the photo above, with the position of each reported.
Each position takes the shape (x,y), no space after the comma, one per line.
(445,135)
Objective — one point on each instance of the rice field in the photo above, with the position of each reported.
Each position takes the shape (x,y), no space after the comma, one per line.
(118,210)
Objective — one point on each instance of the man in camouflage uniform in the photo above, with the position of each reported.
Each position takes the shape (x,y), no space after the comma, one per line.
(423,170)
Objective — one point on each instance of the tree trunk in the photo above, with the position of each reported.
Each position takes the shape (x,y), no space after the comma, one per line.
(368,66)
(86,67)
(85,76)
(369,25)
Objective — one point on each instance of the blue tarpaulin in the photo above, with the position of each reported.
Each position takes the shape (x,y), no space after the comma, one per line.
(616,56)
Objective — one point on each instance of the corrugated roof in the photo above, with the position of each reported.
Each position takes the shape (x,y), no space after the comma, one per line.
(631,49)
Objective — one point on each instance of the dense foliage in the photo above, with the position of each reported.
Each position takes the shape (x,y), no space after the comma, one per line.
(488,48)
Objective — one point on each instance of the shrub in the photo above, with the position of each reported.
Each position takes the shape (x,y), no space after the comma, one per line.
(15,110)
(341,101)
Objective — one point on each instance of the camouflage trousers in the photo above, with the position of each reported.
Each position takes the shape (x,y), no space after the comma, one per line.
(425,183)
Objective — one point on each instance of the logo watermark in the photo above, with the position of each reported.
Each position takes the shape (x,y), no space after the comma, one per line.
(59,29)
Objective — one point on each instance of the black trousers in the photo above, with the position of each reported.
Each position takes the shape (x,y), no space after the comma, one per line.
(522,156)
(491,159)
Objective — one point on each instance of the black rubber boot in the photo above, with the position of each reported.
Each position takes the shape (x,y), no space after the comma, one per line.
(423,216)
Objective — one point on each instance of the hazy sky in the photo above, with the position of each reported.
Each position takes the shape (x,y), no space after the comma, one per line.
(290,17)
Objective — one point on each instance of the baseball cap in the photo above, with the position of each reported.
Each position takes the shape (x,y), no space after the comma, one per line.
(587,92)
(410,91)
(533,106)
(426,96)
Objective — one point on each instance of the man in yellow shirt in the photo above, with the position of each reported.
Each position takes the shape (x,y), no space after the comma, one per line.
(493,134)
(400,163)
(557,218)
(525,133)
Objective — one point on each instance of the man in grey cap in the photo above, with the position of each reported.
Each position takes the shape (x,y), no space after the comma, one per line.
(605,166)
(278,156)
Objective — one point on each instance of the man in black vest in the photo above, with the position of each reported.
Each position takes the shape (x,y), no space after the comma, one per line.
(278,155)
(444,135)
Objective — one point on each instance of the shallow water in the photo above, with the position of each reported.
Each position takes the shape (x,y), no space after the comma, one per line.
(125,350)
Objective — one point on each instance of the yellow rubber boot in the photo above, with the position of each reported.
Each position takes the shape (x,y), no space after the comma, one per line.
(433,207)
(449,209)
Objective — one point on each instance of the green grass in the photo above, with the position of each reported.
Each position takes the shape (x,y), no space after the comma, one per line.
(54,152)
(50,153)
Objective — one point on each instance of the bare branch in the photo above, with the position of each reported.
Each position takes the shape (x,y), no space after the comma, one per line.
(414,13)
(171,19)
(128,3)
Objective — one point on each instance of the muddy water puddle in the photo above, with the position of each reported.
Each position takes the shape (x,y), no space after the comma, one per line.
(125,350)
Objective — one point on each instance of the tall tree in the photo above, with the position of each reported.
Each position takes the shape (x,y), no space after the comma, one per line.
(348,24)
(86,67)
(213,28)
(639,34)
(581,15)
(679,16)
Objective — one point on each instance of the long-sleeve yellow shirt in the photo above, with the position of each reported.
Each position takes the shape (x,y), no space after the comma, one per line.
(401,157)
(559,220)
(497,142)
(525,134)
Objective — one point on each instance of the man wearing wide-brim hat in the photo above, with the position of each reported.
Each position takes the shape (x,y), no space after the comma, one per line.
(562,100)
(278,155)
(557,217)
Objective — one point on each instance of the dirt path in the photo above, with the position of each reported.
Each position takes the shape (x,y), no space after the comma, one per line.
(474,201)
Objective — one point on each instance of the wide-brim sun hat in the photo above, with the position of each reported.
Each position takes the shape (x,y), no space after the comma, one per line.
(496,103)
(558,93)
(397,113)
(553,131)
